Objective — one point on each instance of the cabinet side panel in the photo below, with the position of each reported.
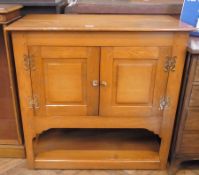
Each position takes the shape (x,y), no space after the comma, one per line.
(173,88)
(25,91)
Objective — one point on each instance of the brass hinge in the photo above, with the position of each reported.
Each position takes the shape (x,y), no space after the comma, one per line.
(164,103)
(29,63)
(170,64)
(34,102)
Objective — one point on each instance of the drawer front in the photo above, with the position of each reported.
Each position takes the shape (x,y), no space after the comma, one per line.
(194,100)
(192,121)
(196,78)
(190,143)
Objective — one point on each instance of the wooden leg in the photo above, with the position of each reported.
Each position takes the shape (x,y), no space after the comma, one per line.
(174,166)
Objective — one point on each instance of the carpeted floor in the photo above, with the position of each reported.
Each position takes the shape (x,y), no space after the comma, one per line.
(18,167)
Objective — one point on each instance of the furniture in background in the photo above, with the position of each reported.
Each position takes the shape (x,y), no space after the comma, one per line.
(97,95)
(186,136)
(169,7)
(39,6)
(10,121)
(10,128)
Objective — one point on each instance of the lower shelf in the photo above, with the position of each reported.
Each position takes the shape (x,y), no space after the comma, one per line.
(97,149)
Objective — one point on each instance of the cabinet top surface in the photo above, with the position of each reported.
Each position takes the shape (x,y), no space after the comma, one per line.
(98,23)
(6,8)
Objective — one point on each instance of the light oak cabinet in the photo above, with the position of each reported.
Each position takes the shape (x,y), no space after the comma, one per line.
(98,95)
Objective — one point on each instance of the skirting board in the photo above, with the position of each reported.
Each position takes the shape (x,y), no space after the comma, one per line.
(12,151)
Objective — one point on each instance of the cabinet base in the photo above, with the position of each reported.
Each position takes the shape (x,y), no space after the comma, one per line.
(12,151)
(96,149)
(100,165)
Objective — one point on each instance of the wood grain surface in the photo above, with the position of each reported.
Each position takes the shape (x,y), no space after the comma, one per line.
(128,48)
(99,23)
(6,8)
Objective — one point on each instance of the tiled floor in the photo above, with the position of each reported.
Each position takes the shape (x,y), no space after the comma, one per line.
(18,167)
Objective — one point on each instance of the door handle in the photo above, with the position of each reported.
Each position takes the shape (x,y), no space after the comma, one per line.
(103,83)
(95,83)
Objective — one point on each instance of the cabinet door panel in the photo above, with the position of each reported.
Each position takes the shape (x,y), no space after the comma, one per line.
(62,80)
(136,80)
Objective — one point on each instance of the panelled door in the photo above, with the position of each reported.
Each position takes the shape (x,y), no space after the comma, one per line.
(64,80)
(133,81)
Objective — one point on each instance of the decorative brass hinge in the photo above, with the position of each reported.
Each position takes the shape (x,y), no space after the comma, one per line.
(29,63)
(164,103)
(170,64)
(34,102)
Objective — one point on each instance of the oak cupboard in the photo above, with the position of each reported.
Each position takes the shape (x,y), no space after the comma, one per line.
(10,123)
(98,92)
